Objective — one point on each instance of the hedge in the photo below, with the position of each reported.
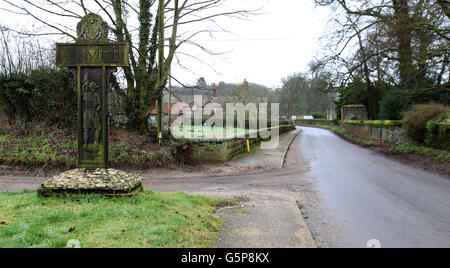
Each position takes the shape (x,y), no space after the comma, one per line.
(305,122)
(44,95)
(438,134)
(380,123)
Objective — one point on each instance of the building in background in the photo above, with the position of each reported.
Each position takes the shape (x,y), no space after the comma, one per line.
(354,112)
(331,113)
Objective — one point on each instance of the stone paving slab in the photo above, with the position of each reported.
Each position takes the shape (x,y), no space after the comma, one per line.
(275,225)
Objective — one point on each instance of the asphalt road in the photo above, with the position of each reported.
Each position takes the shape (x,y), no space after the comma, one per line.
(362,196)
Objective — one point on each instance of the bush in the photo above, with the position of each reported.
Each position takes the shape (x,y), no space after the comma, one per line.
(438,132)
(45,95)
(415,120)
(392,105)
(319,115)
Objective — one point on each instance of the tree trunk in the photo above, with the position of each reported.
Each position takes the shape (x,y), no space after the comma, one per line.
(403,33)
(372,97)
(424,43)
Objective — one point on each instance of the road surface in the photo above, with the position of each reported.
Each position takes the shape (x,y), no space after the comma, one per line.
(361,197)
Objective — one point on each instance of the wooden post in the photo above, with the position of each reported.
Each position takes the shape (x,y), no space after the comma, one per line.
(92,59)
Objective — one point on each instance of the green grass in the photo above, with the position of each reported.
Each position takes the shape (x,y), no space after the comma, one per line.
(36,151)
(200,132)
(57,151)
(151,219)
(4,139)
(441,155)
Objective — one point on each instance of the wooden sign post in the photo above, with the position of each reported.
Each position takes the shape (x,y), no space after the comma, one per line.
(92,59)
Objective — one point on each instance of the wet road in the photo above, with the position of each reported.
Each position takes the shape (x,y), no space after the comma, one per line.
(362,196)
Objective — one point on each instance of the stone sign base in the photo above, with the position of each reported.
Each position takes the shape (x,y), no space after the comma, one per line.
(104,182)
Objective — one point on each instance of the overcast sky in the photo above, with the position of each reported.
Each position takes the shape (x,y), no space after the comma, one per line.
(281,40)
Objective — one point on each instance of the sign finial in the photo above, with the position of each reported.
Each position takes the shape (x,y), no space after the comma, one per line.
(92,28)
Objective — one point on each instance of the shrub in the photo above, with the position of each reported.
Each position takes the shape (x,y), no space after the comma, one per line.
(392,105)
(319,115)
(438,132)
(415,120)
(44,95)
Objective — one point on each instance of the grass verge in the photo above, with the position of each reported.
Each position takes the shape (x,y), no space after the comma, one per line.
(50,149)
(148,220)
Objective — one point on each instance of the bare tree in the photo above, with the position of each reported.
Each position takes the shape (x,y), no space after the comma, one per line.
(410,35)
(19,54)
(134,22)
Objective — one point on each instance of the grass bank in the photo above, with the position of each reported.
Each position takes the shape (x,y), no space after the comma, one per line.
(420,156)
(50,149)
(149,220)
(439,155)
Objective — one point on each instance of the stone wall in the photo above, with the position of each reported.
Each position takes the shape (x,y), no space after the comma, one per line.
(389,131)
(312,122)
(226,149)
(354,112)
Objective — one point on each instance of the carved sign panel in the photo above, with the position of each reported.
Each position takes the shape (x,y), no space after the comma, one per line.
(69,55)
(91,142)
